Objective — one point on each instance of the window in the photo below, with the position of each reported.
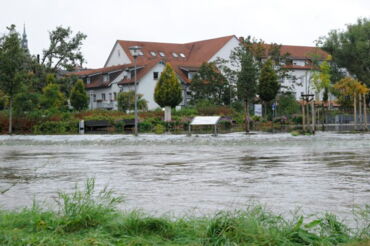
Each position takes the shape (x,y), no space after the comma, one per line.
(153,53)
(162,54)
(155,75)
(118,53)
(94,97)
(88,81)
(103,96)
(105,77)
(175,54)
(114,96)
(110,97)
(182,55)
(141,53)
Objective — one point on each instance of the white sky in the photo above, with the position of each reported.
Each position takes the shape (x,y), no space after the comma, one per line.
(292,22)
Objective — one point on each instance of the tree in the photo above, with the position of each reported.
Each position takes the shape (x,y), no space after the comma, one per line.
(209,84)
(52,97)
(79,98)
(354,89)
(12,67)
(321,80)
(168,91)
(26,101)
(350,49)
(288,104)
(269,85)
(246,77)
(64,52)
(126,101)
(3,100)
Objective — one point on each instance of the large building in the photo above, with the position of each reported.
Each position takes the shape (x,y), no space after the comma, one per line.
(104,84)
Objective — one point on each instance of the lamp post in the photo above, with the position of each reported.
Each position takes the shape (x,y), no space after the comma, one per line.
(135,53)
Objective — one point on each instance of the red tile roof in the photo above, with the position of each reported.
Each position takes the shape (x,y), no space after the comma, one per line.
(195,52)
(302,52)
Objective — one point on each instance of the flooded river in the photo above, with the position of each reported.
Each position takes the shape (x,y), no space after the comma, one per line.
(201,174)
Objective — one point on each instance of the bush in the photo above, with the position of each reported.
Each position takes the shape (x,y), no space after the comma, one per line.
(225,124)
(287,105)
(256,118)
(56,127)
(186,111)
(145,126)
(159,129)
(297,119)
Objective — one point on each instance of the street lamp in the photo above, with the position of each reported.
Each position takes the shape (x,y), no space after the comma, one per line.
(135,52)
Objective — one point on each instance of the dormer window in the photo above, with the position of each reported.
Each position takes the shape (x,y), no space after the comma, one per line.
(153,53)
(182,55)
(161,54)
(141,53)
(105,77)
(175,54)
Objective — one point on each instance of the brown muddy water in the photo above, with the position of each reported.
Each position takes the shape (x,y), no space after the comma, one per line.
(199,174)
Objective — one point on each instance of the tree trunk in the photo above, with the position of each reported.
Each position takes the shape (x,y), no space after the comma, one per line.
(303,116)
(167,114)
(246,116)
(360,109)
(313,115)
(355,111)
(11,115)
(365,113)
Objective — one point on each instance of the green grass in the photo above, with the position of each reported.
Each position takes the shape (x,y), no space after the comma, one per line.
(87,217)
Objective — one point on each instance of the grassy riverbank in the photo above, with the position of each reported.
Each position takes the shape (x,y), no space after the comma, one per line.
(88,218)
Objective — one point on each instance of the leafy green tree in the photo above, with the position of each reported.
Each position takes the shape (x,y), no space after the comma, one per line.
(287,104)
(52,97)
(64,52)
(209,84)
(126,101)
(79,98)
(66,84)
(268,85)
(321,80)
(246,78)
(13,60)
(168,91)
(350,49)
(26,101)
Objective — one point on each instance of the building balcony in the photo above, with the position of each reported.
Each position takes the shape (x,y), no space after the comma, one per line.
(105,105)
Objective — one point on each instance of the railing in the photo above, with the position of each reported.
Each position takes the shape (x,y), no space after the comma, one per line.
(105,105)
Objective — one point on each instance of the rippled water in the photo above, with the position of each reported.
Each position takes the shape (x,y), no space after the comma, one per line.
(179,174)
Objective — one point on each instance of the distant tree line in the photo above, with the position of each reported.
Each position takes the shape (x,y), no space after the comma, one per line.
(29,85)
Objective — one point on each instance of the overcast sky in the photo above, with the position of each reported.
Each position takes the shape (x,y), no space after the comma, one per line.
(178,21)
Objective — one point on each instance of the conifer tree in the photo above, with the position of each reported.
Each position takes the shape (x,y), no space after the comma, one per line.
(52,97)
(168,91)
(79,98)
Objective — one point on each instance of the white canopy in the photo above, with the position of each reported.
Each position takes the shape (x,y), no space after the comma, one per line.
(205,120)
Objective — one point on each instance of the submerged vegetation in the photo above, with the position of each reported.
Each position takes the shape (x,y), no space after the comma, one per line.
(86,217)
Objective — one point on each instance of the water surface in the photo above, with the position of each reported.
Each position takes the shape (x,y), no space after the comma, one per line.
(179,174)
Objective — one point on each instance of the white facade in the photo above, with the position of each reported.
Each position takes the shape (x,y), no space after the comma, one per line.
(225,52)
(117,57)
